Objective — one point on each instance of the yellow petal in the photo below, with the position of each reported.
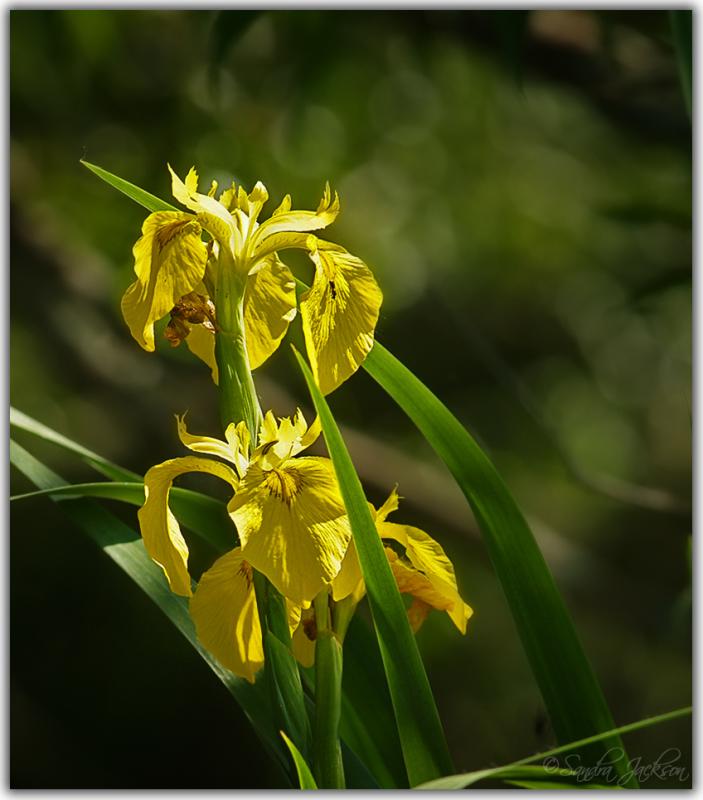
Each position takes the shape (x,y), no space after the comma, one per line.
(283,439)
(339,314)
(390,505)
(429,574)
(226,617)
(276,242)
(201,342)
(349,580)
(169,261)
(269,307)
(300,221)
(303,639)
(204,444)
(212,215)
(160,530)
(292,525)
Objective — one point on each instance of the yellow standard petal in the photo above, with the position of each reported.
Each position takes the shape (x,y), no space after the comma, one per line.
(226,618)
(161,533)
(211,213)
(425,572)
(269,307)
(292,525)
(284,439)
(339,314)
(169,261)
(285,220)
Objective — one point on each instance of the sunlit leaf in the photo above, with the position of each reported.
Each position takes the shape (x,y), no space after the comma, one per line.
(420,730)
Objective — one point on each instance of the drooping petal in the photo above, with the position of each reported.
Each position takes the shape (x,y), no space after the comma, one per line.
(201,343)
(339,314)
(204,444)
(169,261)
(303,638)
(292,525)
(349,581)
(226,617)
(269,307)
(298,221)
(428,573)
(161,533)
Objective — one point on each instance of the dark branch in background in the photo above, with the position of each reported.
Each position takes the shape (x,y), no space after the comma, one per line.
(578,49)
(652,498)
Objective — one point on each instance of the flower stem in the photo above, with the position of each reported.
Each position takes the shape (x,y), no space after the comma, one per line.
(328,767)
(238,398)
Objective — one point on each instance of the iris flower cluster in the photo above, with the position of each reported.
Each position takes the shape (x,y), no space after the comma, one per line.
(289,522)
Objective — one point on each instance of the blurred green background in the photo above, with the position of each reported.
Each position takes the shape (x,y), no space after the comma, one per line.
(520,184)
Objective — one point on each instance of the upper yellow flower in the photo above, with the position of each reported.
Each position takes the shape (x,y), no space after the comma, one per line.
(339,312)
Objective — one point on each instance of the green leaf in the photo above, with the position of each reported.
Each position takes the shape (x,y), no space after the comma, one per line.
(207,518)
(509,770)
(421,735)
(201,514)
(576,706)
(682,34)
(305,778)
(146,199)
(569,687)
(556,785)
(365,697)
(18,419)
(125,548)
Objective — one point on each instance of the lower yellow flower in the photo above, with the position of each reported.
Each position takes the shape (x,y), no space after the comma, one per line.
(226,616)
(291,521)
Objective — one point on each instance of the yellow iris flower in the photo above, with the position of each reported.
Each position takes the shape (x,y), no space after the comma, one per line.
(172,262)
(422,570)
(290,518)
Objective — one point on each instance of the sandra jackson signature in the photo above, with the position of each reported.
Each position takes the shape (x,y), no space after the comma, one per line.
(666,767)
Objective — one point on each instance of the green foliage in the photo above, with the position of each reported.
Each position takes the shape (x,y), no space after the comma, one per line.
(682,32)
(305,778)
(519,770)
(420,730)
(571,692)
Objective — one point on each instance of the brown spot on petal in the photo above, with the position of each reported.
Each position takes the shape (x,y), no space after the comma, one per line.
(284,483)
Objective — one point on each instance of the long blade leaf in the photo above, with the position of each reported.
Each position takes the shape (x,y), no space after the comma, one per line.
(305,778)
(467,778)
(569,687)
(204,515)
(22,421)
(125,548)
(682,34)
(420,730)
(576,706)
(144,198)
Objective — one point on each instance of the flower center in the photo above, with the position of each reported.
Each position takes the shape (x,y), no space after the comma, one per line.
(284,484)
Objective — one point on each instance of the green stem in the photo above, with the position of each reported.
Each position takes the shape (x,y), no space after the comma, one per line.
(343,613)
(328,767)
(281,673)
(238,398)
